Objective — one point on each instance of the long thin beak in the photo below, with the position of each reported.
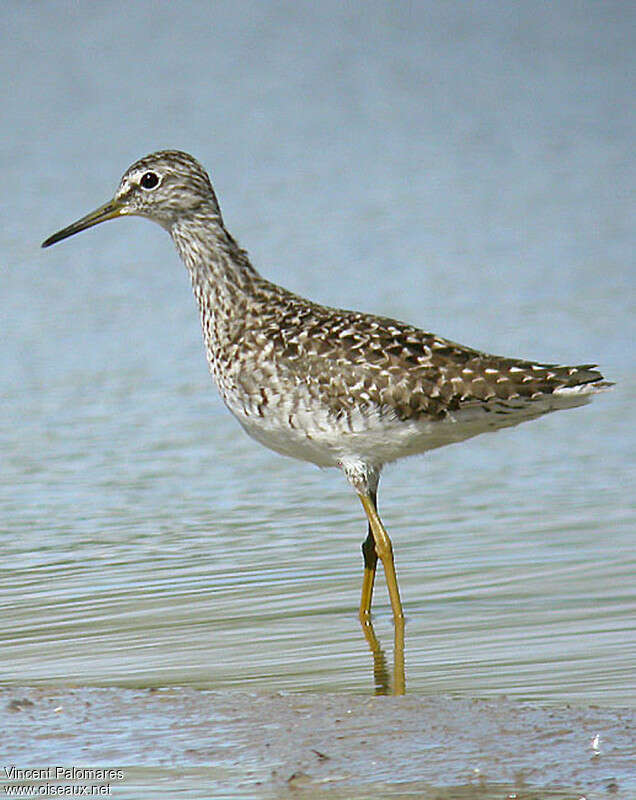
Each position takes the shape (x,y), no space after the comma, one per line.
(109,210)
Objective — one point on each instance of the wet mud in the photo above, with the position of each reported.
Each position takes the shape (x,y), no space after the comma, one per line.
(200,744)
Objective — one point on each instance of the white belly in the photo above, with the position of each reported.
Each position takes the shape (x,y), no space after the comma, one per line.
(380,437)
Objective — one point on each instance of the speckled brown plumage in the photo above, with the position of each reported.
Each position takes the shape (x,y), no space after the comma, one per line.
(363,360)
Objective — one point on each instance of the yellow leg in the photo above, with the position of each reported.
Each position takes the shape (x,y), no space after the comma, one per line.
(384,551)
(371,551)
(368,579)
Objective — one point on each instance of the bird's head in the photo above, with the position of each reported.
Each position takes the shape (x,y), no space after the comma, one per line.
(166,187)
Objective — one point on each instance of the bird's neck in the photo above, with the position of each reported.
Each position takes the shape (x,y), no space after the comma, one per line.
(223,280)
(214,260)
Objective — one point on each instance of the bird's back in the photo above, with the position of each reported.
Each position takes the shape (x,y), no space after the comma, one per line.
(318,382)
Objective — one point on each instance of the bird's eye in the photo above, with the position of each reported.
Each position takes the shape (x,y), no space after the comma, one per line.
(149,180)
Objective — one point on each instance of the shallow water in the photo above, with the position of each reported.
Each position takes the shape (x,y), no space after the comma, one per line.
(460,168)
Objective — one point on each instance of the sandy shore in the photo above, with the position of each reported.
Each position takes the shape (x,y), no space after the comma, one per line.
(185,743)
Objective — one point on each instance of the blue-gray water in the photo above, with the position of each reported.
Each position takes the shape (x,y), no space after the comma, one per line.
(465,167)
